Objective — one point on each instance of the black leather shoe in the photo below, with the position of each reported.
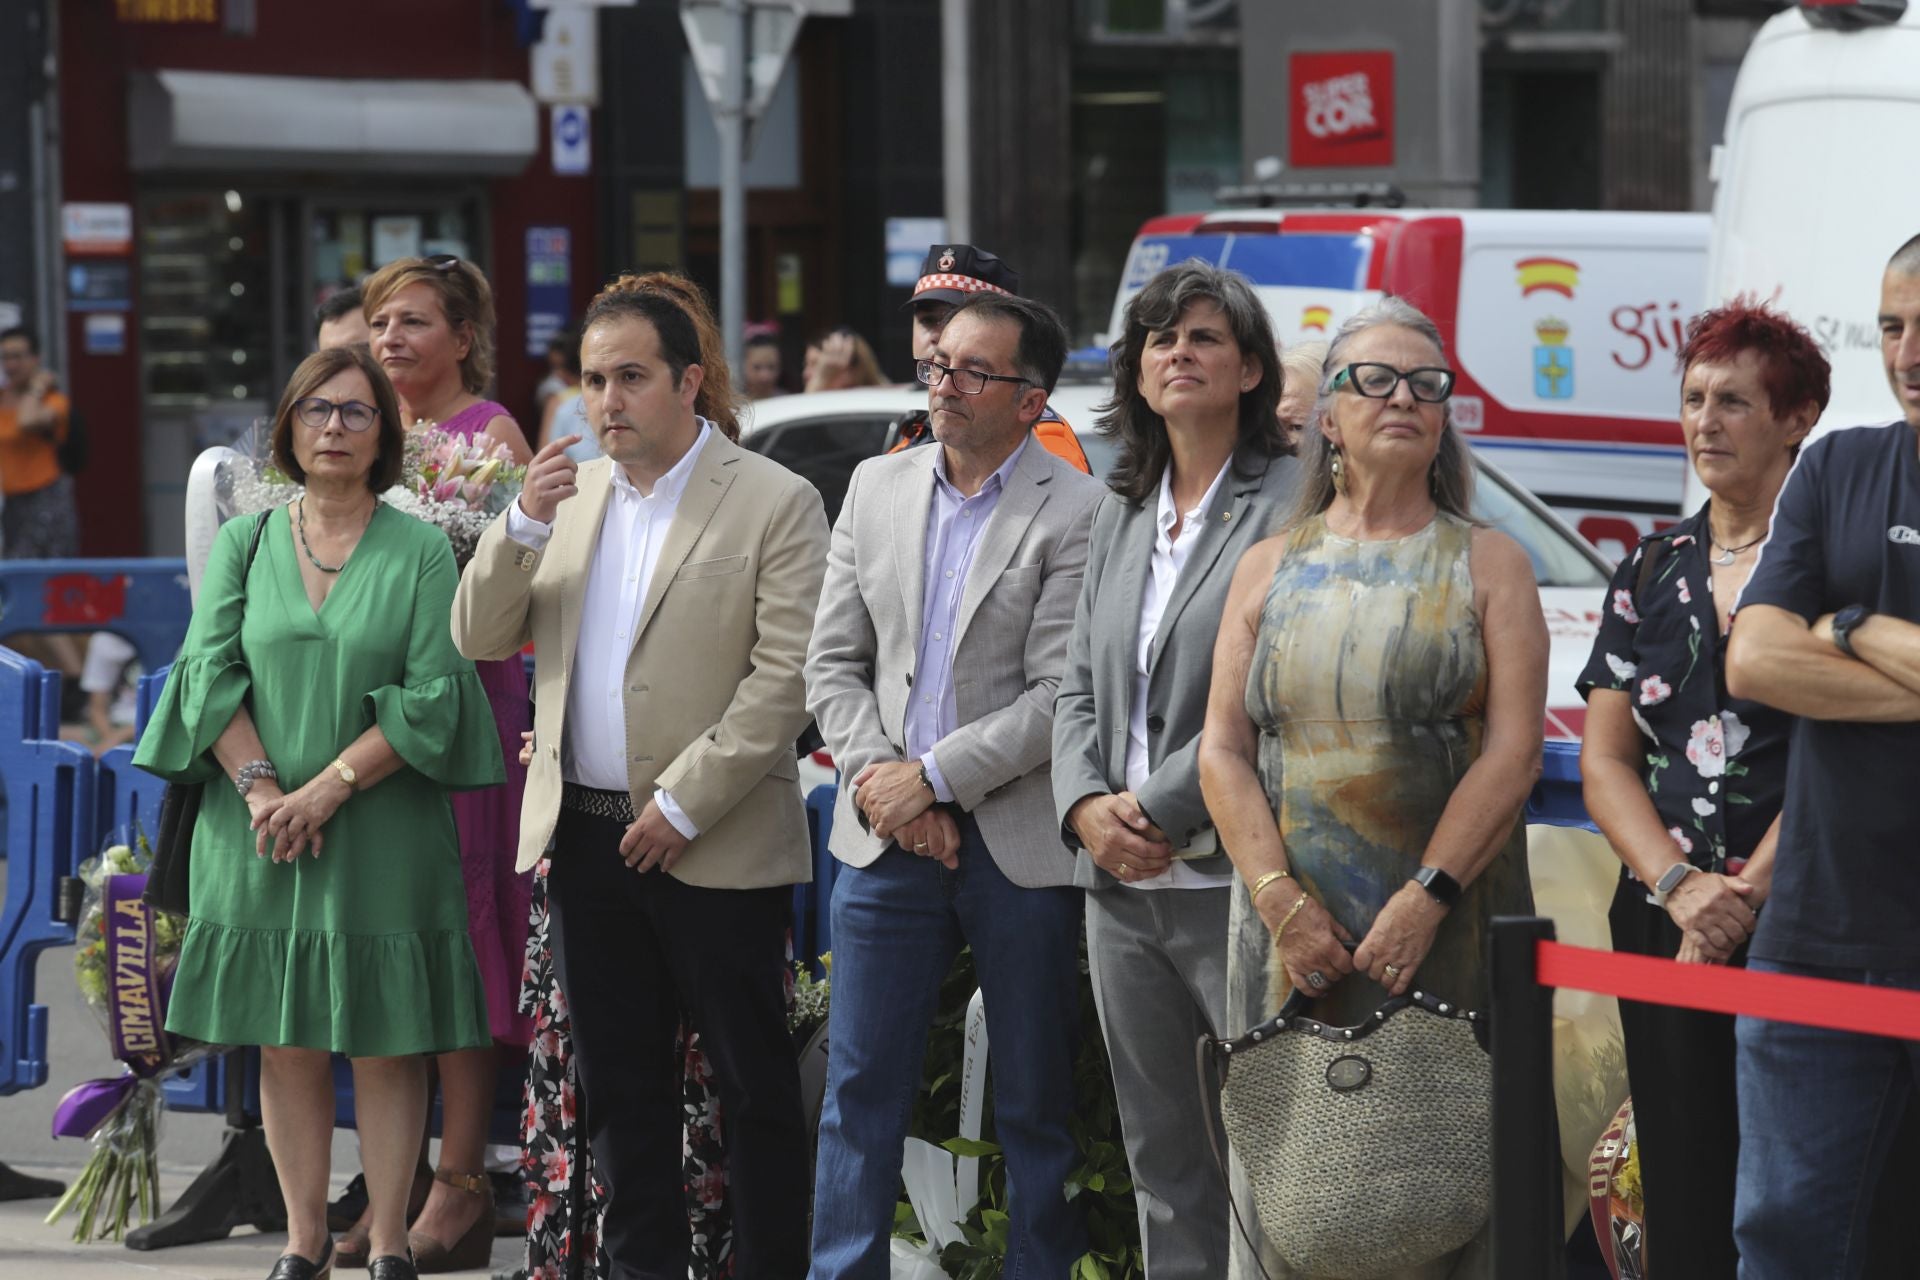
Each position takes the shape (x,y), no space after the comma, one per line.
(391,1266)
(292,1266)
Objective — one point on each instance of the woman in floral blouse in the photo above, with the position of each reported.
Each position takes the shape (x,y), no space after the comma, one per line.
(1686,781)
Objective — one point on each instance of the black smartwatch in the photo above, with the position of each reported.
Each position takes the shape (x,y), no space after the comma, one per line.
(1440,886)
(1844,623)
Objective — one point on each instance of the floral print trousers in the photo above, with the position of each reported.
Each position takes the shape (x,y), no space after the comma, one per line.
(564,1196)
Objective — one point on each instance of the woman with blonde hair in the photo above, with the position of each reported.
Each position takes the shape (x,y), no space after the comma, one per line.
(432,326)
(842,360)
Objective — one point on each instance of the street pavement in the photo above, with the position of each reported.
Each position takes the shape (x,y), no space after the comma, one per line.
(29,1249)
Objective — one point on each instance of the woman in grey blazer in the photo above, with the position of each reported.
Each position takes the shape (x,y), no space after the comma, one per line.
(1204,473)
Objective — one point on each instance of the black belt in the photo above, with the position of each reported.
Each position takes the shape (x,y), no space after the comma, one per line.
(615,806)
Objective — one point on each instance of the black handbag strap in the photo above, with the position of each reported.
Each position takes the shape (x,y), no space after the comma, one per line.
(253,544)
(1206,1054)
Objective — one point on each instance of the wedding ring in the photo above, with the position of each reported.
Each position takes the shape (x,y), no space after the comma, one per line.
(919,844)
(1317,980)
(1392,971)
(1126,871)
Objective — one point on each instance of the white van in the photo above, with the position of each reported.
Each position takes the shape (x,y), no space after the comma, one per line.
(1564,328)
(1817,185)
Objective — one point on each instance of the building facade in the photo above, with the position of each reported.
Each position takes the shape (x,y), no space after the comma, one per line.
(259,156)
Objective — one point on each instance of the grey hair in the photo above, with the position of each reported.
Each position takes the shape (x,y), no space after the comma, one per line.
(1452,473)
(1906,259)
(1304,360)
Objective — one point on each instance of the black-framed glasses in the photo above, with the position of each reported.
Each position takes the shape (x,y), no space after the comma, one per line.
(968,382)
(1377,381)
(316,412)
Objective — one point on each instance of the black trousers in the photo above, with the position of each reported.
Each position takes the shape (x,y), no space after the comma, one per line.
(632,953)
(1685,1110)
(1680,1069)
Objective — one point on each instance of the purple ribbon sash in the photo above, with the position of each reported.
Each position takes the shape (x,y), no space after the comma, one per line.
(136,1005)
(136,1009)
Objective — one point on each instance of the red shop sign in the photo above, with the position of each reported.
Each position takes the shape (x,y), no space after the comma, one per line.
(1341,110)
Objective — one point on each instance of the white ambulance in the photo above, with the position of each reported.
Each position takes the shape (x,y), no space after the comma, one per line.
(1564,328)
(1817,185)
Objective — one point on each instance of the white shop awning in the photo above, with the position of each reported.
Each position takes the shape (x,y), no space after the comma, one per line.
(202,120)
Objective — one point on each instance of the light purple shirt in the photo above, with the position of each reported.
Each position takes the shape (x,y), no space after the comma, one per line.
(954,526)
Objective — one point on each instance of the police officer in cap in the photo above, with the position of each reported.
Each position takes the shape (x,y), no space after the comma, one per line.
(950,273)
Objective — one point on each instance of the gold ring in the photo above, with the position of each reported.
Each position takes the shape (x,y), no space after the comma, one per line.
(919,844)
(1126,871)
(1392,970)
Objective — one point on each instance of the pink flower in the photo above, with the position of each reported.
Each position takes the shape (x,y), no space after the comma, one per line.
(1707,748)
(1736,733)
(1654,691)
(1623,605)
(1686,596)
(1680,838)
(558,1168)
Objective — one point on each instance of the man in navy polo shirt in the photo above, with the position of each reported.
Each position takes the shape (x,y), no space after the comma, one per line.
(1828,628)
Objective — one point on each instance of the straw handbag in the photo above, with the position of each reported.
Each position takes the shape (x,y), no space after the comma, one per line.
(1368,1148)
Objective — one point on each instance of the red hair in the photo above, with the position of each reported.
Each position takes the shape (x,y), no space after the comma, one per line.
(1793,370)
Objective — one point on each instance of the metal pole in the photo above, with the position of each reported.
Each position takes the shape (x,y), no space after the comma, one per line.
(1528,1229)
(732,122)
(956,117)
(53,296)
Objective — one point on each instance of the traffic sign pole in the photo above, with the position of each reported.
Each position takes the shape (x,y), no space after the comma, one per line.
(731,118)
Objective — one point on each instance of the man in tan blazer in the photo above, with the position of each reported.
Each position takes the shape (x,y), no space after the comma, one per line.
(669,591)
(942,634)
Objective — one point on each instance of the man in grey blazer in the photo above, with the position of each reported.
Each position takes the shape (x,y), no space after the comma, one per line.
(1203,475)
(950,591)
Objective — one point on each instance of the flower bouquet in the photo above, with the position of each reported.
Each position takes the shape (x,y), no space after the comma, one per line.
(124,967)
(457,485)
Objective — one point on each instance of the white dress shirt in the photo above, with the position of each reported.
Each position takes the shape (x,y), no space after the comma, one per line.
(1170,555)
(593,750)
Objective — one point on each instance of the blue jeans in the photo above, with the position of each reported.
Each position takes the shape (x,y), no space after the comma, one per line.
(897,926)
(1818,1113)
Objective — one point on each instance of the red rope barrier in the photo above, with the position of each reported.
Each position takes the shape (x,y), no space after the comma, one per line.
(1812,1002)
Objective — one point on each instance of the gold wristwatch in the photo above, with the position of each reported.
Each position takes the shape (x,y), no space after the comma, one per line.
(347,775)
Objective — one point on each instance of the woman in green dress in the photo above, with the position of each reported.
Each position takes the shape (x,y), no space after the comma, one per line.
(1374,723)
(319,676)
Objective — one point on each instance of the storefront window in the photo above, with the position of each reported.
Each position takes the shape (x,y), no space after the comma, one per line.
(1145,143)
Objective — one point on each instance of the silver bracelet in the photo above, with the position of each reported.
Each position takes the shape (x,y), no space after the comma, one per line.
(252,771)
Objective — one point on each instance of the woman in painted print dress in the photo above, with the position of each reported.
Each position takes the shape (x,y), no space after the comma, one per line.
(1374,725)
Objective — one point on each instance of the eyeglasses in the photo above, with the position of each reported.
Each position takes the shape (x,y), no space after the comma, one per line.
(968,382)
(316,412)
(1378,381)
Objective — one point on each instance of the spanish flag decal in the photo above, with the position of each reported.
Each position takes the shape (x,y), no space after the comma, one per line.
(1547,275)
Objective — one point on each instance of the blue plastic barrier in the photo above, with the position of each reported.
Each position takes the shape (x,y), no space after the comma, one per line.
(1556,797)
(145,601)
(813,903)
(50,817)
